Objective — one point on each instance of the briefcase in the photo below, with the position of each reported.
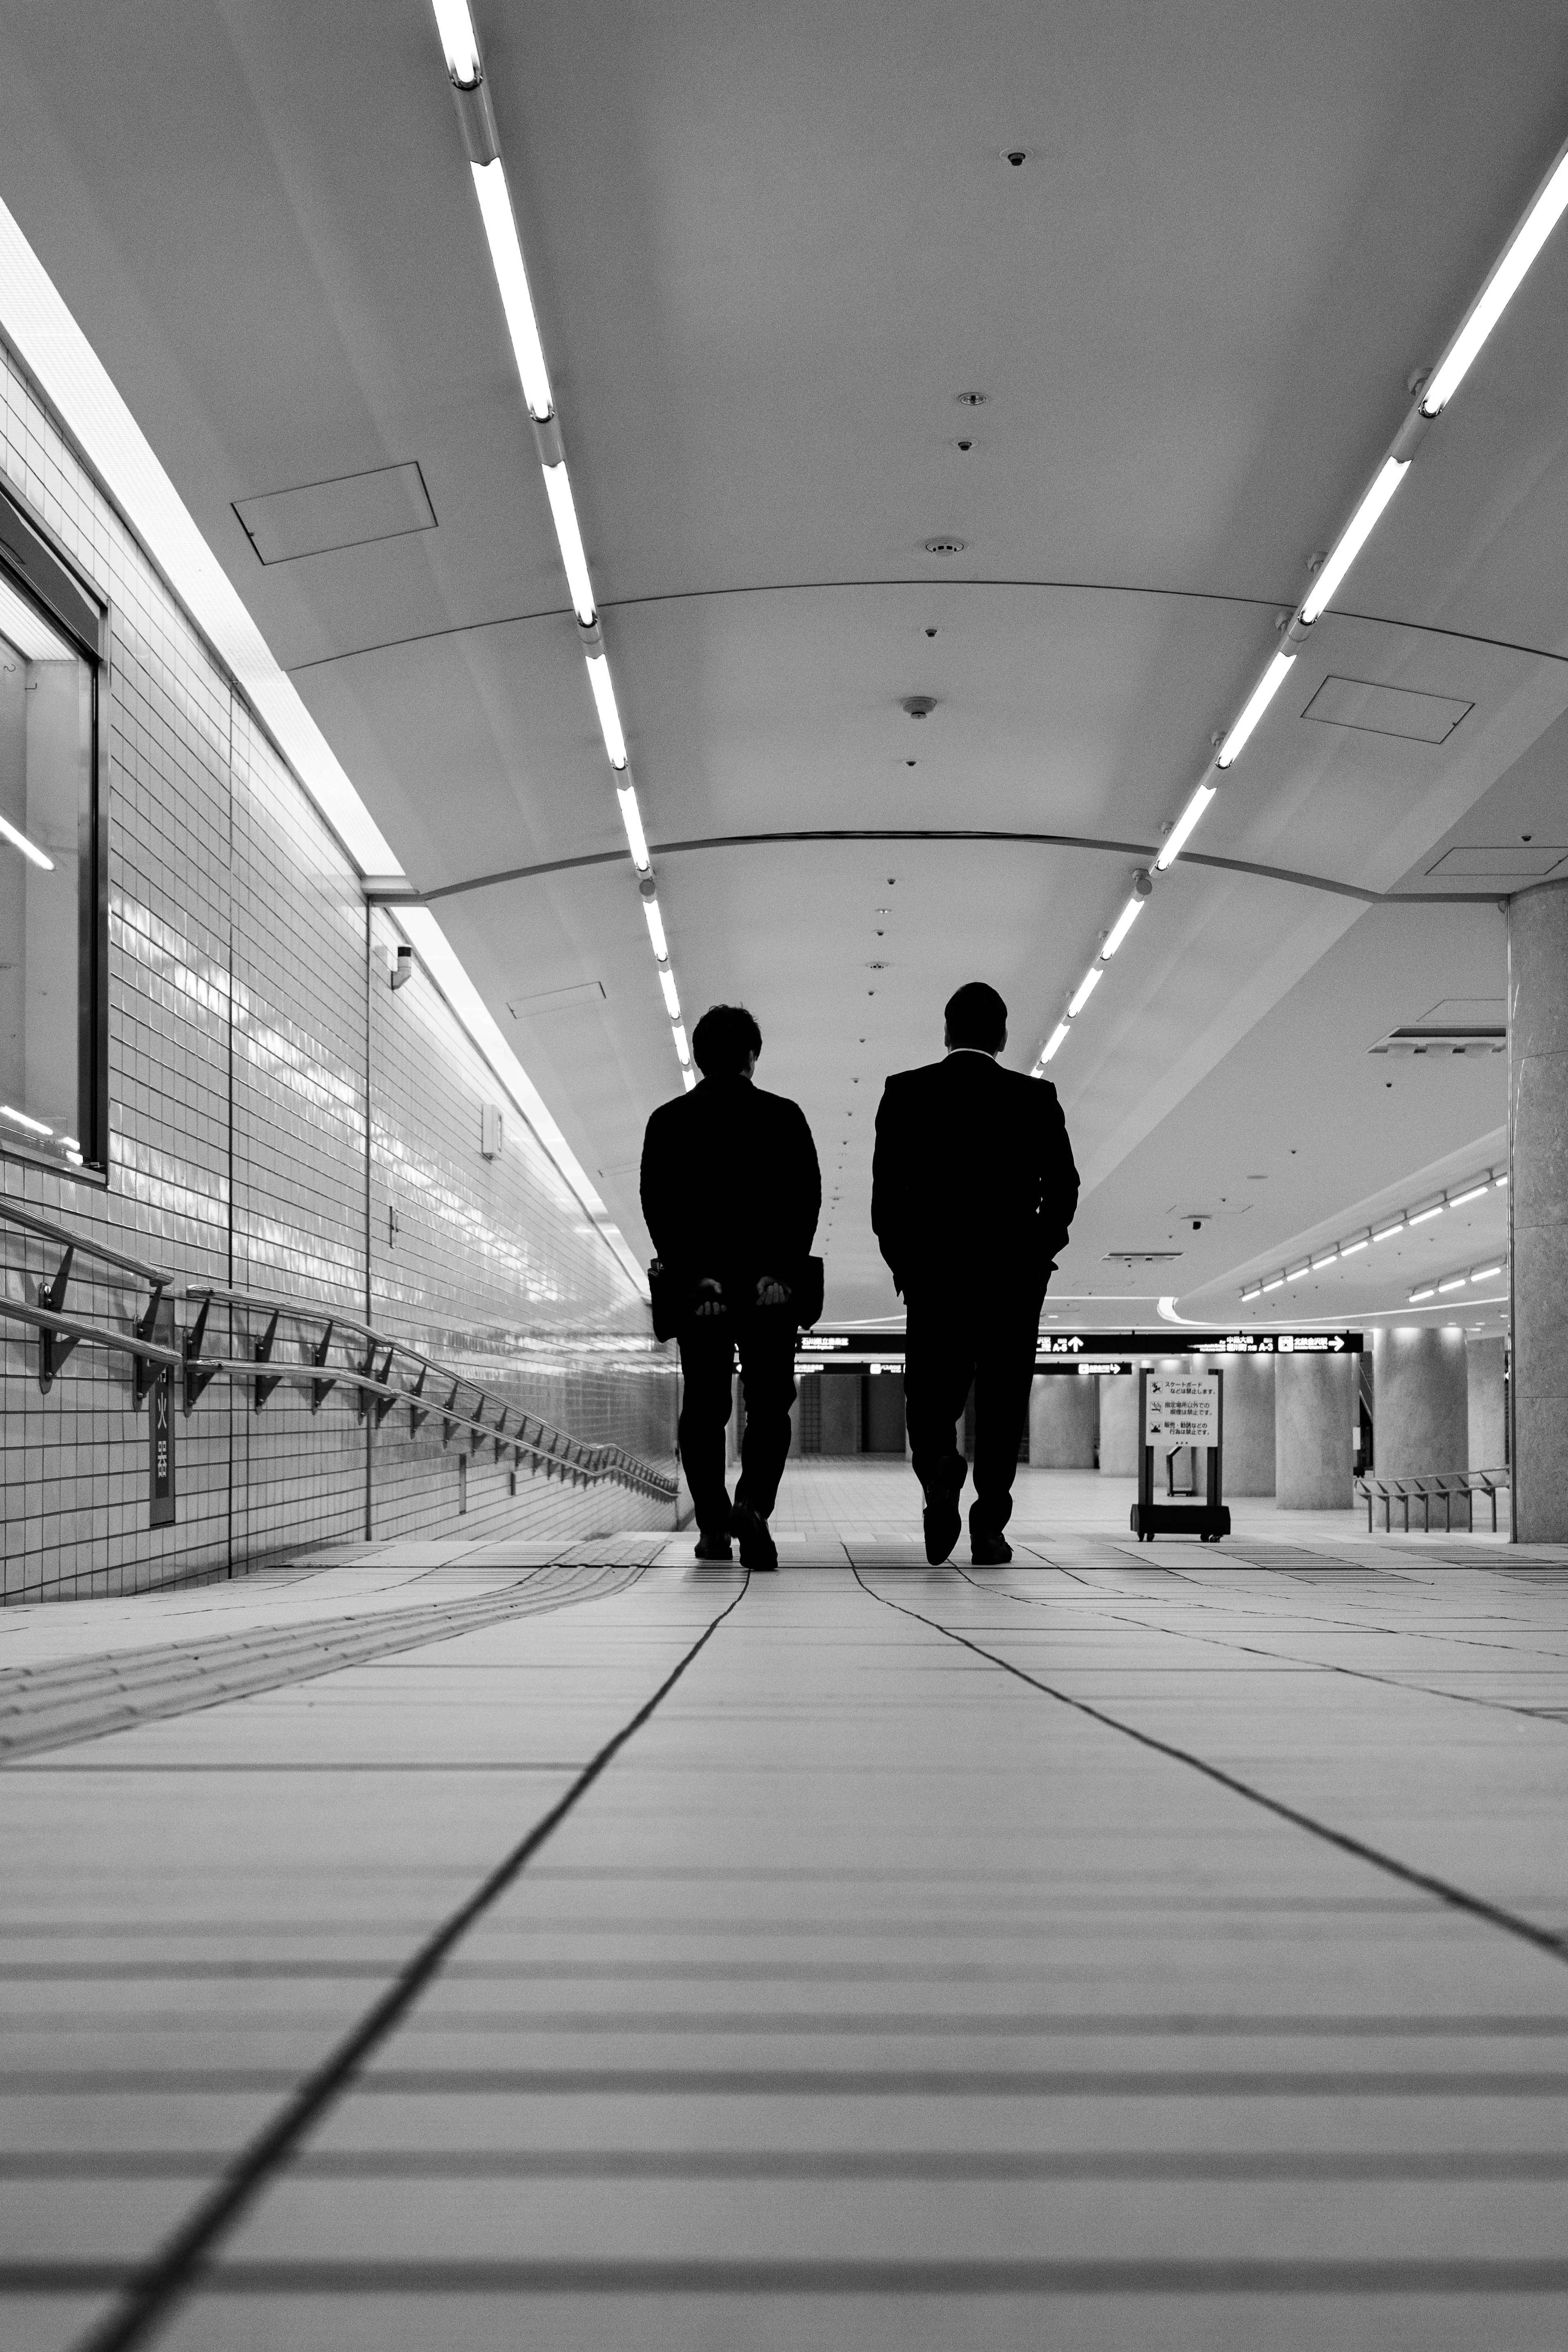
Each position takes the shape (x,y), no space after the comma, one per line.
(671,1297)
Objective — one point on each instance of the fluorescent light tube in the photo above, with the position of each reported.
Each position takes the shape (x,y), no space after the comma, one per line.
(1417,1296)
(506,255)
(631,817)
(28,848)
(671,1001)
(1177,840)
(1422,1215)
(1351,1248)
(1053,1044)
(33,1125)
(558,488)
(1318,1262)
(1262,695)
(656,929)
(604,692)
(1121,927)
(1387,1232)
(1474,1193)
(1500,1181)
(1486,1273)
(1255,1292)
(456,29)
(1085,989)
(1499,291)
(1355,534)
(689,1080)
(1294,1274)
(682,1049)
(1278,1283)
(1455,1282)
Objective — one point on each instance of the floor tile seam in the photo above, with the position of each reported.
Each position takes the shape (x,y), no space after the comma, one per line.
(147,2299)
(1555,1945)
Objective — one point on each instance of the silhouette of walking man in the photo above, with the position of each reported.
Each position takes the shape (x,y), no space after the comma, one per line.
(731,1194)
(973,1190)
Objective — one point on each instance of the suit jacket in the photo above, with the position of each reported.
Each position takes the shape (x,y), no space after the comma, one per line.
(730,1183)
(973,1176)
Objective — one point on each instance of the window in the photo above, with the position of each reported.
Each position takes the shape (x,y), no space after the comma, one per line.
(53,928)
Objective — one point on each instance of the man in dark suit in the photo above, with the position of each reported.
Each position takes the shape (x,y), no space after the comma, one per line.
(973,1190)
(732,1194)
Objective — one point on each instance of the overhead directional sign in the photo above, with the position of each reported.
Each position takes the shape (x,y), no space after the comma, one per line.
(867,1347)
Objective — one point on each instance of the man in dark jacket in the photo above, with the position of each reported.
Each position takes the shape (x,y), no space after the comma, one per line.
(973,1190)
(732,1194)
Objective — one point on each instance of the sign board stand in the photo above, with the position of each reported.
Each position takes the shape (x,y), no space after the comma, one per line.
(1180,1409)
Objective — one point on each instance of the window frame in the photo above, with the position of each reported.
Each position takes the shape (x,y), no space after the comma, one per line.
(80,610)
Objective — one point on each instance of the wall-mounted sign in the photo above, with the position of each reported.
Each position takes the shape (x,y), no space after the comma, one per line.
(161,1431)
(874,1347)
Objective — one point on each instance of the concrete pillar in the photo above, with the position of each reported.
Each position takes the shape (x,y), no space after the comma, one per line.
(1118,1425)
(1314,1408)
(1486,1362)
(1538,1209)
(1422,1419)
(1064,1416)
(1248,1424)
(840,1412)
(884,1408)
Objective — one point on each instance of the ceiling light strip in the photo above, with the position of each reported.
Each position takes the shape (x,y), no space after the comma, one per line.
(1491,1181)
(465,66)
(1536,224)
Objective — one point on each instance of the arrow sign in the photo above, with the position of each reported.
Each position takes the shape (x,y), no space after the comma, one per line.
(1336,1343)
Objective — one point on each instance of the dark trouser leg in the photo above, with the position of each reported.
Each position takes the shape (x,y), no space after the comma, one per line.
(939,1365)
(706,1354)
(1003,1379)
(767,1374)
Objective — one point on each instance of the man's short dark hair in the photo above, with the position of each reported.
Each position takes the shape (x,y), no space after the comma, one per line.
(722,1040)
(975,1016)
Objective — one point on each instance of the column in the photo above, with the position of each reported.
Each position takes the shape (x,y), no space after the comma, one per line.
(1118,1425)
(1314,1410)
(1249,1468)
(884,1407)
(840,1393)
(1486,1363)
(1063,1420)
(1421,1411)
(1538,1209)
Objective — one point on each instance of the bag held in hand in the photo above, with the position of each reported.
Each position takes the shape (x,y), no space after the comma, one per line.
(673,1297)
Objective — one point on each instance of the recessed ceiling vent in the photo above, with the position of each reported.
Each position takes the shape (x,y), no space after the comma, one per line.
(945,546)
(350,511)
(1440,1038)
(1511,861)
(1372,710)
(1140,1257)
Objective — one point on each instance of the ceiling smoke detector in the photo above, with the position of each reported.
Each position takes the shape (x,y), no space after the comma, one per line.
(945,546)
(972,399)
(919,705)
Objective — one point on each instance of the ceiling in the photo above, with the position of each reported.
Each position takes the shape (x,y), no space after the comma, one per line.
(770,248)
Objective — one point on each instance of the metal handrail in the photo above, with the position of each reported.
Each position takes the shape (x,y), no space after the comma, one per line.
(1432,1486)
(482,1411)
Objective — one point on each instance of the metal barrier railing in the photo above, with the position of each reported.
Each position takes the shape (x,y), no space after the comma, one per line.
(1445,1486)
(466,1404)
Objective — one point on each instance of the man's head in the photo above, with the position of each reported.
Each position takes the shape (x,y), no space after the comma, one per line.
(975,1016)
(726,1042)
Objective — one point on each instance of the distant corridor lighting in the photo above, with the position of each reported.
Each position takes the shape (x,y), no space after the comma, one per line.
(1180,832)
(457,30)
(562,507)
(656,930)
(1486,1273)
(1329,1258)
(631,817)
(1500,288)
(506,255)
(1417,1296)
(1455,1282)
(1351,1248)
(1386,1232)
(1354,536)
(1262,695)
(1474,1193)
(1053,1045)
(20,1119)
(1085,989)
(29,849)
(1121,927)
(604,703)
(1278,1283)
(1422,1215)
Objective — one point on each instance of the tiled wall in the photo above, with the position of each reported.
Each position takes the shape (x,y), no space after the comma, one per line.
(254,1040)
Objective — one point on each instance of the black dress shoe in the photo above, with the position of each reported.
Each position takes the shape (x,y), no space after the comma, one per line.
(713,1547)
(989,1552)
(758,1549)
(942,1522)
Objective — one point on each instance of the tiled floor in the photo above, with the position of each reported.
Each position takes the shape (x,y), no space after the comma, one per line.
(446,1945)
